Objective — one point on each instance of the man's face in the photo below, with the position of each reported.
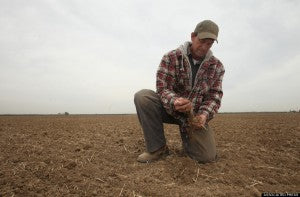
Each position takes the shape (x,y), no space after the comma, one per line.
(200,47)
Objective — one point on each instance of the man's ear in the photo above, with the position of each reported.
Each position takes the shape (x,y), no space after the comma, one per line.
(193,35)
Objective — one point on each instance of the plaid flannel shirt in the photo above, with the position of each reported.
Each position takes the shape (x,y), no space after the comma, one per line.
(174,80)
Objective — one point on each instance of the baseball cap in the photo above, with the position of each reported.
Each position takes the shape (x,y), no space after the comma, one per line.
(207,29)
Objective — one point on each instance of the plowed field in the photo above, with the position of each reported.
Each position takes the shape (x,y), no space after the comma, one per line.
(95,155)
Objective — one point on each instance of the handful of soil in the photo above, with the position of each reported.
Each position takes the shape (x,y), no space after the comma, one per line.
(193,125)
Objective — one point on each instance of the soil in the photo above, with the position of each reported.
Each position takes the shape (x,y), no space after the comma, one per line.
(95,155)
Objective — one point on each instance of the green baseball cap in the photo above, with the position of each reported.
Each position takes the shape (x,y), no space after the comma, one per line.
(207,29)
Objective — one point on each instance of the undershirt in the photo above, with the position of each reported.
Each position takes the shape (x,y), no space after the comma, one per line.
(195,65)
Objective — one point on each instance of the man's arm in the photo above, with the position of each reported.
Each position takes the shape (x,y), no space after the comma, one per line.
(165,81)
(212,100)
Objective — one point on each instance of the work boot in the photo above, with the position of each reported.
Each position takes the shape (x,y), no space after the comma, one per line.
(147,157)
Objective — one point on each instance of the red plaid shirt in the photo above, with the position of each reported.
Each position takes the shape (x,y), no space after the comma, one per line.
(174,80)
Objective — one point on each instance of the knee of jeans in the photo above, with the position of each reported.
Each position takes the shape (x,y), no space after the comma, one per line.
(201,156)
(206,158)
(140,96)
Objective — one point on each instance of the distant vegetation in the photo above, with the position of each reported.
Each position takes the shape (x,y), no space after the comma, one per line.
(66,113)
(294,111)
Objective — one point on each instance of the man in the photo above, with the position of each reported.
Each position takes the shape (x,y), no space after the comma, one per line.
(189,83)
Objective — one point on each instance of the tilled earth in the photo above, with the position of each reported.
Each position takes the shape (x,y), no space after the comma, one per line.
(95,155)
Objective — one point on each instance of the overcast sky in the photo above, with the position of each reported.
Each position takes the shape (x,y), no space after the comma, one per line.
(91,56)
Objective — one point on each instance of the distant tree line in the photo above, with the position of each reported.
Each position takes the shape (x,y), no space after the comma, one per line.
(294,111)
(66,113)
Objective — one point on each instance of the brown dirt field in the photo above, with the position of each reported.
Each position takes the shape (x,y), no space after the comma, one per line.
(95,155)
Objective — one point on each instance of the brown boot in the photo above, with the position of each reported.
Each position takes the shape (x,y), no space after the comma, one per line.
(147,157)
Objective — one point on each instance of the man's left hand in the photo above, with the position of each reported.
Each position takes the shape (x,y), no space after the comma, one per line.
(199,120)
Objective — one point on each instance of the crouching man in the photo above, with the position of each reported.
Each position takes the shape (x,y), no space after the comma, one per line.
(188,83)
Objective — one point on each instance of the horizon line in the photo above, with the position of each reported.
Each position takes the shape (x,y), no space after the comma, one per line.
(63,114)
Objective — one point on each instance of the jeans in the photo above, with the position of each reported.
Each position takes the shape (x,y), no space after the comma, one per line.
(152,115)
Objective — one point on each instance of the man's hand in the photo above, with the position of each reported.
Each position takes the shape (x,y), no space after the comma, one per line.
(182,105)
(199,121)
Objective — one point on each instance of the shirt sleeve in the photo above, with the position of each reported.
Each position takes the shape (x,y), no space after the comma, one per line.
(212,99)
(165,82)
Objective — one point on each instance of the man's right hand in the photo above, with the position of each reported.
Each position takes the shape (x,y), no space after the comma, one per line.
(182,105)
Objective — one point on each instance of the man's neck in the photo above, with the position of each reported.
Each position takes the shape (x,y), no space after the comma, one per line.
(198,58)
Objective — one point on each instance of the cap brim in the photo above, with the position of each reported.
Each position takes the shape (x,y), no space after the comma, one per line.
(204,35)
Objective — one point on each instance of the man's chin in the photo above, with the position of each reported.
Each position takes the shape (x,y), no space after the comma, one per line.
(200,56)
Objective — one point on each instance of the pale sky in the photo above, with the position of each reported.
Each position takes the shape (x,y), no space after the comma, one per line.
(91,56)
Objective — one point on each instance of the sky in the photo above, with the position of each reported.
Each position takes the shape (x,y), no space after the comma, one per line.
(90,56)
